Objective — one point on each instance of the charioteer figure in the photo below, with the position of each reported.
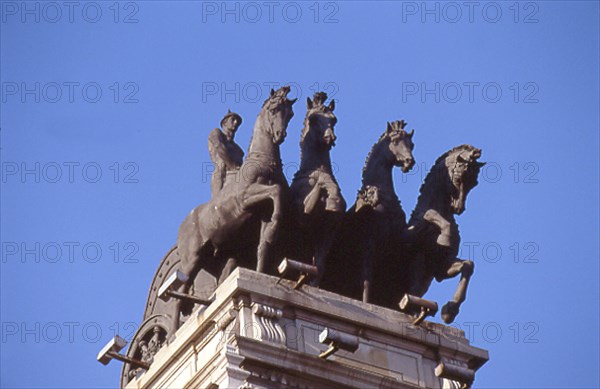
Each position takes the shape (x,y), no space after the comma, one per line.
(226,155)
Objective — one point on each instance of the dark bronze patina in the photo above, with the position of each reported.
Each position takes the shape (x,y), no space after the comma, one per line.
(255,219)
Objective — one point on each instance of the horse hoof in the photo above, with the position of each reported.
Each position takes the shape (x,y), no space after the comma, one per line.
(449,311)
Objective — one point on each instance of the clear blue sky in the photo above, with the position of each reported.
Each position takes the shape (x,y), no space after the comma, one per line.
(104,126)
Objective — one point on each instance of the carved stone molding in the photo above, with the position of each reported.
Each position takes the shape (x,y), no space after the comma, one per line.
(452,361)
(258,334)
(449,384)
(269,328)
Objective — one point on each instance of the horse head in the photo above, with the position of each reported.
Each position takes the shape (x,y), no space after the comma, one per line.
(320,120)
(400,145)
(462,170)
(278,113)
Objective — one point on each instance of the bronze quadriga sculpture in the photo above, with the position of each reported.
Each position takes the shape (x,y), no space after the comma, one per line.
(255,219)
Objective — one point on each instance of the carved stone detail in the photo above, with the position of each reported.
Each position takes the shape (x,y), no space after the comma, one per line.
(269,328)
(449,384)
(228,324)
(450,361)
(273,377)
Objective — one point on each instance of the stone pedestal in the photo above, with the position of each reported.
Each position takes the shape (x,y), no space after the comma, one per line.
(261,333)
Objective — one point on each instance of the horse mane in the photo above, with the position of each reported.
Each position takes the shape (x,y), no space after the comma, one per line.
(318,107)
(452,151)
(364,169)
(277,98)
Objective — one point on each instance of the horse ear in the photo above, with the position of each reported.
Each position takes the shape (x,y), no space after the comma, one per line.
(228,110)
(481,164)
(292,101)
(359,204)
(272,92)
(411,133)
(309,103)
(389,127)
(332,105)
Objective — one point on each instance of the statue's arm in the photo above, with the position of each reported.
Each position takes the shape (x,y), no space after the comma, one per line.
(311,200)
(218,151)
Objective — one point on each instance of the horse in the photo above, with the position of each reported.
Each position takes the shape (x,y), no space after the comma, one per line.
(432,231)
(317,203)
(256,193)
(372,224)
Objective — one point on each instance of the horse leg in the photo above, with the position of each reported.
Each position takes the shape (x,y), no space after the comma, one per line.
(367,259)
(229,267)
(256,194)
(465,269)
(263,253)
(192,251)
(191,269)
(331,222)
(320,257)
(435,218)
(188,245)
(420,281)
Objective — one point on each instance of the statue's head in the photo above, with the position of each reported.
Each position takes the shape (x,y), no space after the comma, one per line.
(320,119)
(463,168)
(400,144)
(230,123)
(278,109)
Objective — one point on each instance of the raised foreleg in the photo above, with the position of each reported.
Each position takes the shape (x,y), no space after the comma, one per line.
(444,225)
(465,268)
(255,195)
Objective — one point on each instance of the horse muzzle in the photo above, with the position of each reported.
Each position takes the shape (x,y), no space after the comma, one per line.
(407,164)
(279,137)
